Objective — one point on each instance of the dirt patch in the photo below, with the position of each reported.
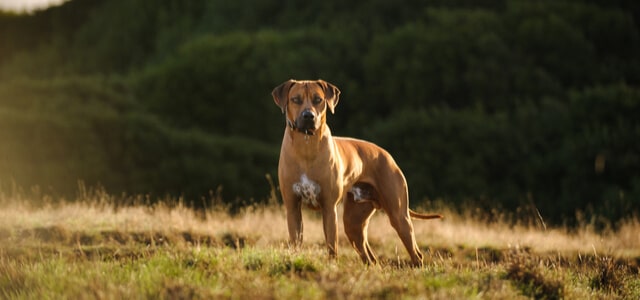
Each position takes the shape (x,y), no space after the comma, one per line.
(62,235)
(198,239)
(52,234)
(5,234)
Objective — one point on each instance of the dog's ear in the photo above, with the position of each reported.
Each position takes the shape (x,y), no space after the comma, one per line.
(281,92)
(331,92)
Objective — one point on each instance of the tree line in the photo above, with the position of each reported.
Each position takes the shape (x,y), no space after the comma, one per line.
(494,103)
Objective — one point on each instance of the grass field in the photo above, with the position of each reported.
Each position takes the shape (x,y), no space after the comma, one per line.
(92,249)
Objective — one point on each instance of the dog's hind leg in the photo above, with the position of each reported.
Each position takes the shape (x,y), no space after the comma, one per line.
(356,220)
(396,205)
(404,228)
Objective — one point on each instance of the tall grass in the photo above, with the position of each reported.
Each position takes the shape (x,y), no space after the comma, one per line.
(92,248)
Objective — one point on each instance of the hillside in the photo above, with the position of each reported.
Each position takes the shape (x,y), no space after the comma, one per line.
(92,248)
(517,105)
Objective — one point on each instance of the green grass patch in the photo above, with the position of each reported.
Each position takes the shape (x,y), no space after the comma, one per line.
(41,259)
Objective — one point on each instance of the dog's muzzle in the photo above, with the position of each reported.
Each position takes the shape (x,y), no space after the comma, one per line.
(306,121)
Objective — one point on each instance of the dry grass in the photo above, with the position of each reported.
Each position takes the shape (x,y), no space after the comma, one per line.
(96,246)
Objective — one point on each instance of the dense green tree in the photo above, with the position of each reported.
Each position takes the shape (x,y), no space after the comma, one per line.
(493,103)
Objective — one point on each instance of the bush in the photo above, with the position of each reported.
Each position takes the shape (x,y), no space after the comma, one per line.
(47,133)
(561,156)
(455,155)
(84,130)
(222,84)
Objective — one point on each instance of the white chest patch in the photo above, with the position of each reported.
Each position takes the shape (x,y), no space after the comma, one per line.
(308,191)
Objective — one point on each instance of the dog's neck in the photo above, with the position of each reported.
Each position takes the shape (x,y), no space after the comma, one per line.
(309,145)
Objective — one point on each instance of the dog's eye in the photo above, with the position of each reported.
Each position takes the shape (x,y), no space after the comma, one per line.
(296,100)
(317,100)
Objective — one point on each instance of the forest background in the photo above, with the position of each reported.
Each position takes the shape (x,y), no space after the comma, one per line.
(511,105)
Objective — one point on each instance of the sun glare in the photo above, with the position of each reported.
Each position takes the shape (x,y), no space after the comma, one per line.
(28,5)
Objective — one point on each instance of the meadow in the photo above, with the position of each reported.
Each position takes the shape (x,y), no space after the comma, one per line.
(91,248)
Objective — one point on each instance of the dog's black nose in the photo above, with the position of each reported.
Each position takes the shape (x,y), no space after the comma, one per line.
(308,115)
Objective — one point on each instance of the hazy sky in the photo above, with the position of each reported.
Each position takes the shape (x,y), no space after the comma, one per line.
(27,5)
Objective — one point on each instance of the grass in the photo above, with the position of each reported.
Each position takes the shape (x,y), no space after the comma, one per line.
(92,249)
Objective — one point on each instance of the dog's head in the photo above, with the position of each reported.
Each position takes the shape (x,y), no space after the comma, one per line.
(305,103)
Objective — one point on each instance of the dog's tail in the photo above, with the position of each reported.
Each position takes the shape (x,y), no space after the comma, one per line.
(420,216)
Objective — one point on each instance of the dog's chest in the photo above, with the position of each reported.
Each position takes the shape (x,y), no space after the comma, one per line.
(308,191)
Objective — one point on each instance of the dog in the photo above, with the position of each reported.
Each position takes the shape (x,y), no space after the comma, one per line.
(318,170)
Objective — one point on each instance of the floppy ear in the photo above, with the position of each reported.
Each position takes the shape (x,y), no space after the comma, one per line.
(331,92)
(281,92)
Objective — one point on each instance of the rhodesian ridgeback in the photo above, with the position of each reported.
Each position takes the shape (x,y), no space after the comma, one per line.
(319,171)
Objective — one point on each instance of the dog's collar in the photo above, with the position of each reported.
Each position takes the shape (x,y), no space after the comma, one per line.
(294,127)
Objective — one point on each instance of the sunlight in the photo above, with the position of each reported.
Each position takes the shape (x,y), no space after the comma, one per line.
(28,5)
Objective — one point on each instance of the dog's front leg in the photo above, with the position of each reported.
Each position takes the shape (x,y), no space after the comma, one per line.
(330,222)
(294,221)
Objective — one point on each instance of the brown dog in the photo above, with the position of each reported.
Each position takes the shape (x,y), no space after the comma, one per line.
(319,170)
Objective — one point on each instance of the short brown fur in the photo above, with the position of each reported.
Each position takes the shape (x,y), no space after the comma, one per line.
(336,164)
